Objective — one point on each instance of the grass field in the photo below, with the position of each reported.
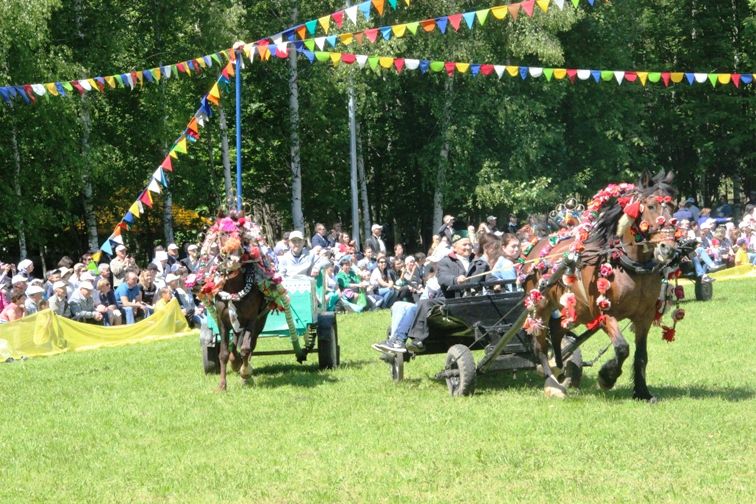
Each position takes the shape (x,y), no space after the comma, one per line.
(143,424)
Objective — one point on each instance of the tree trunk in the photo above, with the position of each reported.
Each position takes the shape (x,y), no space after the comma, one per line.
(366,223)
(90,217)
(167,196)
(230,196)
(296,166)
(443,159)
(17,189)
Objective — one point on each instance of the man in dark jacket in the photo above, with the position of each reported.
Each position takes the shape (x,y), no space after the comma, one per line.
(375,241)
(319,239)
(451,273)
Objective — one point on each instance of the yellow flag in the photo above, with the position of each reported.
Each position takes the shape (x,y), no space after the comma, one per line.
(325,22)
(677,77)
(156,74)
(399,30)
(724,78)
(134,209)
(214,95)
(543,4)
(462,67)
(499,12)
(335,58)
(50,86)
(346,38)
(643,76)
(512,71)
(386,61)
(111,81)
(560,73)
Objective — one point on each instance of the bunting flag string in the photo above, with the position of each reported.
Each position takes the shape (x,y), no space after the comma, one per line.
(159,181)
(643,77)
(29,93)
(376,33)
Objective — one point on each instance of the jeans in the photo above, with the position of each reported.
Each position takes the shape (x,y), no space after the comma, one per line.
(387,295)
(402,315)
(702,262)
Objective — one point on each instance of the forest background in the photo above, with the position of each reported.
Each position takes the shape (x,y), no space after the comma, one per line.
(427,143)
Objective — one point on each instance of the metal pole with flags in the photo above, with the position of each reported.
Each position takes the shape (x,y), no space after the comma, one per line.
(238,54)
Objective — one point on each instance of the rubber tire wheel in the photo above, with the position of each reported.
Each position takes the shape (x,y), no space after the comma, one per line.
(328,341)
(211,359)
(460,358)
(397,367)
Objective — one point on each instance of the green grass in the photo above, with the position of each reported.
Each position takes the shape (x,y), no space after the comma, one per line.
(143,424)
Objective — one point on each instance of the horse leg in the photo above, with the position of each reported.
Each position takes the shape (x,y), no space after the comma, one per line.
(612,369)
(223,353)
(640,359)
(551,386)
(556,331)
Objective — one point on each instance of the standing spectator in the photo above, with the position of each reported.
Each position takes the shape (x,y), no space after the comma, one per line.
(375,242)
(173,257)
(333,236)
(447,228)
(724,209)
(25,268)
(491,222)
(58,303)
(15,309)
(513,225)
(402,288)
(33,301)
(421,258)
(690,204)
(83,307)
(191,261)
(319,239)
(119,265)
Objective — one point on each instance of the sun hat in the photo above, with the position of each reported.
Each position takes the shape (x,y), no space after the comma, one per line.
(87,276)
(23,265)
(60,284)
(161,255)
(34,289)
(86,285)
(18,279)
(171,277)
(296,235)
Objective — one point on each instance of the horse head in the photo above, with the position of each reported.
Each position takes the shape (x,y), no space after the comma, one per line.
(657,196)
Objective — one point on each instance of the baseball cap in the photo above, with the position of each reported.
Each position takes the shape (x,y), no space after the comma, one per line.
(18,279)
(171,277)
(161,255)
(192,247)
(172,246)
(296,235)
(24,264)
(87,276)
(120,247)
(34,289)
(86,285)
(60,284)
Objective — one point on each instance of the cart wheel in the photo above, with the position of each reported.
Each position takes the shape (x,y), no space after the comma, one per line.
(460,371)
(328,341)
(397,367)
(210,359)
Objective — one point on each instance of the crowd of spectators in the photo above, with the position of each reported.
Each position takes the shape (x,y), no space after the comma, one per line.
(378,276)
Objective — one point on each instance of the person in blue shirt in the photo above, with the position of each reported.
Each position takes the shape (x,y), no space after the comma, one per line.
(129,297)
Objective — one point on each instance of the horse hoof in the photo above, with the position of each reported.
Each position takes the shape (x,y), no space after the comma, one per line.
(605,383)
(221,388)
(553,389)
(647,398)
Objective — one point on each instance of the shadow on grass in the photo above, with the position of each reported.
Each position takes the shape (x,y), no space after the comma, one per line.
(299,375)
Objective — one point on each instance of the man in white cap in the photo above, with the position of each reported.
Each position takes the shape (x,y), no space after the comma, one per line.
(34,294)
(194,315)
(173,256)
(58,302)
(161,261)
(297,261)
(83,307)
(25,268)
(191,261)
(19,283)
(119,265)
(375,242)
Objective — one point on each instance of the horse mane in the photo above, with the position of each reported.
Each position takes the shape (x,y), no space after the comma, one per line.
(605,229)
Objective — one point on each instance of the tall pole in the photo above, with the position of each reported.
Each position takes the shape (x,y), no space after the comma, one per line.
(353,162)
(238,133)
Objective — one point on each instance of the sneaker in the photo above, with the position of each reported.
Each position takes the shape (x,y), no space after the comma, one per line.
(707,279)
(391,345)
(415,346)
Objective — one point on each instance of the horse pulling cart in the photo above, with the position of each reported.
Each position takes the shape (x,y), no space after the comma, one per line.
(491,322)
(316,330)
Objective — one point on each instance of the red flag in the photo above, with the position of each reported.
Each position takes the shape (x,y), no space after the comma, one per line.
(454,20)
(527,6)
(572,73)
(450,66)
(631,76)
(372,34)
(338,17)
(665,78)
(348,58)
(486,69)
(399,64)
(736,79)
(166,164)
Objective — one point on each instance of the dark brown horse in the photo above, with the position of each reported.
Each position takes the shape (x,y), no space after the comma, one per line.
(251,313)
(637,250)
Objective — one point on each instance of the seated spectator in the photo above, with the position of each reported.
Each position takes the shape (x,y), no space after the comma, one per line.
(398,252)
(724,209)
(298,261)
(194,314)
(486,258)
(513,225)
(741,253)
(411,277)
(334,234)
(104,296)
(119,265)
(401,287)
(504,269)
(351,285)
(165,295)
(34,299)
(382,283)
(103,273)
(345,246)
(191,261)
(173,257)
(282,245)
(161,263)
(129,298)
(147,285)
(83,308)
(368,262)
(331,287)
(15,309)
(19,283)
(58,302)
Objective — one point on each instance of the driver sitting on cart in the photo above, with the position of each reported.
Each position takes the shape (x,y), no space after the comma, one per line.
(452,271)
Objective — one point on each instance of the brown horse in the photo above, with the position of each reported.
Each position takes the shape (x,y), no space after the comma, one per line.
(251,313)
(637,259)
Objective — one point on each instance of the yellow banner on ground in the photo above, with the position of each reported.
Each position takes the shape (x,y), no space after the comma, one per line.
(46,333)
